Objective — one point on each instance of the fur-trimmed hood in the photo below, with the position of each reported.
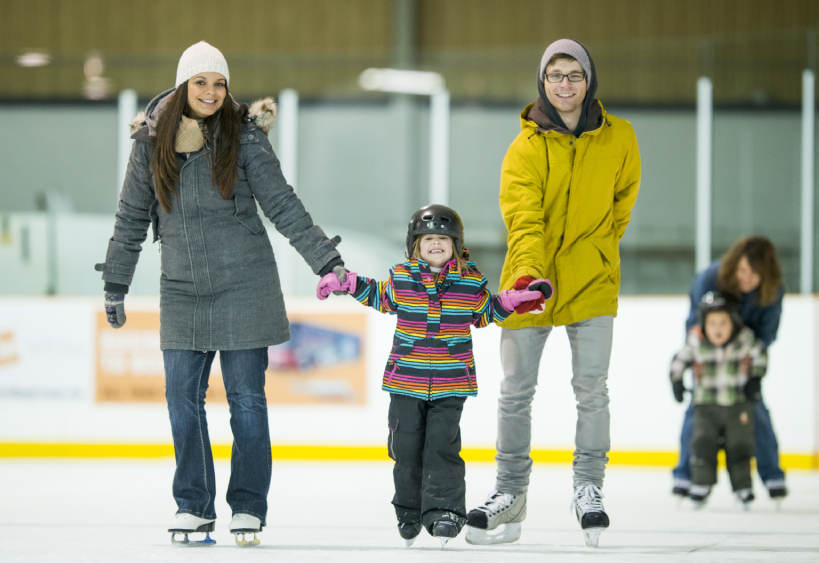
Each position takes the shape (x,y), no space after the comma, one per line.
(263,112)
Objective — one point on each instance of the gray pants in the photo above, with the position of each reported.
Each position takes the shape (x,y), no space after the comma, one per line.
(521,350)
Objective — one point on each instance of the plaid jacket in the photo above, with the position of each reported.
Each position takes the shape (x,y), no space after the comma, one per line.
(431,355)
(723,382)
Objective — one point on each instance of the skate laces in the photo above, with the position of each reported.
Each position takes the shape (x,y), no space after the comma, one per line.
(496,502)
(587,498)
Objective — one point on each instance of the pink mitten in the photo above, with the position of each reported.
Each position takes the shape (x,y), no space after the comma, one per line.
(511,298)
(330,283)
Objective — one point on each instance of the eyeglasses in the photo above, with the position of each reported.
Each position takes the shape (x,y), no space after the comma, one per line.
(556,77)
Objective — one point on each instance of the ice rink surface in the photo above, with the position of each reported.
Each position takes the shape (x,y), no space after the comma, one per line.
(111,511)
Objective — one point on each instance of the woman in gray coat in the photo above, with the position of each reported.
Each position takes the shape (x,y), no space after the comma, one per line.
(199,164)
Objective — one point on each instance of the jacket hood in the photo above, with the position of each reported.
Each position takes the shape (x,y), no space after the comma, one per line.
(263,111)
(537,112)
(591,90)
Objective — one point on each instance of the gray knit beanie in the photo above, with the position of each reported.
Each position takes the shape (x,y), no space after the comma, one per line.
(201,57)
(568,47)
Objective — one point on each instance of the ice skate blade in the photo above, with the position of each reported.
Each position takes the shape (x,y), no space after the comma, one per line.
(187,542)
(409,543)
(592,536)
(505,533)
(443,542)
(242,541)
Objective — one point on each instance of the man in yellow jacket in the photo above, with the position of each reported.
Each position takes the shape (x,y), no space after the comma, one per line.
(568,184)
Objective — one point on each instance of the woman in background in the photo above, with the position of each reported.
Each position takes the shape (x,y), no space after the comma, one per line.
(750,273)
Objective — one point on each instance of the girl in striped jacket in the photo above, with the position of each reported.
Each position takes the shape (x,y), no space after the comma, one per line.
(437,294)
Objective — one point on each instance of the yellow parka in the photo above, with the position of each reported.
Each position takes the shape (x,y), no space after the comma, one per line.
(566,202)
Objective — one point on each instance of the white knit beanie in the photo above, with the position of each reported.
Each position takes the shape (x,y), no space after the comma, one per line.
(201,57)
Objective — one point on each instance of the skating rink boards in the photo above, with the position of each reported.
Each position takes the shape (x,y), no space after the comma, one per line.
(117,511)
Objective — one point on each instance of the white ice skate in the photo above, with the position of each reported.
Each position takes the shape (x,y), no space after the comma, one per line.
(746,497)
(497,520)
(242,526)
(184,524)
(587,504)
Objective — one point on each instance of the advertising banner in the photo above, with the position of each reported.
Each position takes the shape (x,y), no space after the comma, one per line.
(322,363)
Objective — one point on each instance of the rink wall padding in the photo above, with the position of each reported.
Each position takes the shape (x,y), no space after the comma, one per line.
(73,388)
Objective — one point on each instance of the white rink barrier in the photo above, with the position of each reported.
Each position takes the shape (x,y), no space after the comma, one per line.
(59,394)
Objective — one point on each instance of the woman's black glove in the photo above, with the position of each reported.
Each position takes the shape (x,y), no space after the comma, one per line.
(115,309)
(753,389)
(679,389)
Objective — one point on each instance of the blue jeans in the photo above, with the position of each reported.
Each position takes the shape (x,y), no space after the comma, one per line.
(186,382)
(766,448)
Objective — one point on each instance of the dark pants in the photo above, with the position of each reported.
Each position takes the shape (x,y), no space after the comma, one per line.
(766,448)
(736,424)
(425,443)
(186,382)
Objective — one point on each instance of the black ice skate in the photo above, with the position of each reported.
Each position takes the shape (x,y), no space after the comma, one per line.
(243,526)
(184,524)
(587,504)
(681,487)
(409,531)
(746,497)
(776,490)
(444,530)
(699,494)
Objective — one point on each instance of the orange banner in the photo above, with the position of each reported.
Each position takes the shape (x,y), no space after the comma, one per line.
(322,363)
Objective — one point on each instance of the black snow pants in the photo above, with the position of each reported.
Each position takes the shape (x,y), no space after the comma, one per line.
(736,424)
(425,443)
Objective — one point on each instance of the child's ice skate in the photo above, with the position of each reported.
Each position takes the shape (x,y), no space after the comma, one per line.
(242,526)
(184,524)
(409,531)
(444,530)
(699,495)
(746,497)
(497,520)
(587,504)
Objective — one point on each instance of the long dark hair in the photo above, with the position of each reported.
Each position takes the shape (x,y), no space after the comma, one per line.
(761,256)
(221,140)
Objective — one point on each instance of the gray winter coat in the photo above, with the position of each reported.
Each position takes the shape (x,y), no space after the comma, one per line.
(219,286)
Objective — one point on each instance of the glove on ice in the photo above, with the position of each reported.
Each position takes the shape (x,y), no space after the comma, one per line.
(511,299)
(115,309)
(336,282)
(753,389)
(678,388)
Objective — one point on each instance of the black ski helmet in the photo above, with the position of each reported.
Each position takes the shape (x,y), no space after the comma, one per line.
(436,220)
(714,301)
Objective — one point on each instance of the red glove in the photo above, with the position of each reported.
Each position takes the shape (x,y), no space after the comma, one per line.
(534,305)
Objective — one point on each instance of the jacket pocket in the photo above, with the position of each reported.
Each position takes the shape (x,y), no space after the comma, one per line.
(398,351)
(392,439)
(462,353)
(246,215)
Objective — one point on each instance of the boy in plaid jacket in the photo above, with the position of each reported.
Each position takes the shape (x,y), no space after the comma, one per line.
(733,363)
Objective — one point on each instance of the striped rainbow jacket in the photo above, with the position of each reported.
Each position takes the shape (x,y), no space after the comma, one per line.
(431,354)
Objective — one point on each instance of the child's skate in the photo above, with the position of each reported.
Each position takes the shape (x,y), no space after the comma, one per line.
(587,504)
(746,497)
(699,495)
(409,531)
